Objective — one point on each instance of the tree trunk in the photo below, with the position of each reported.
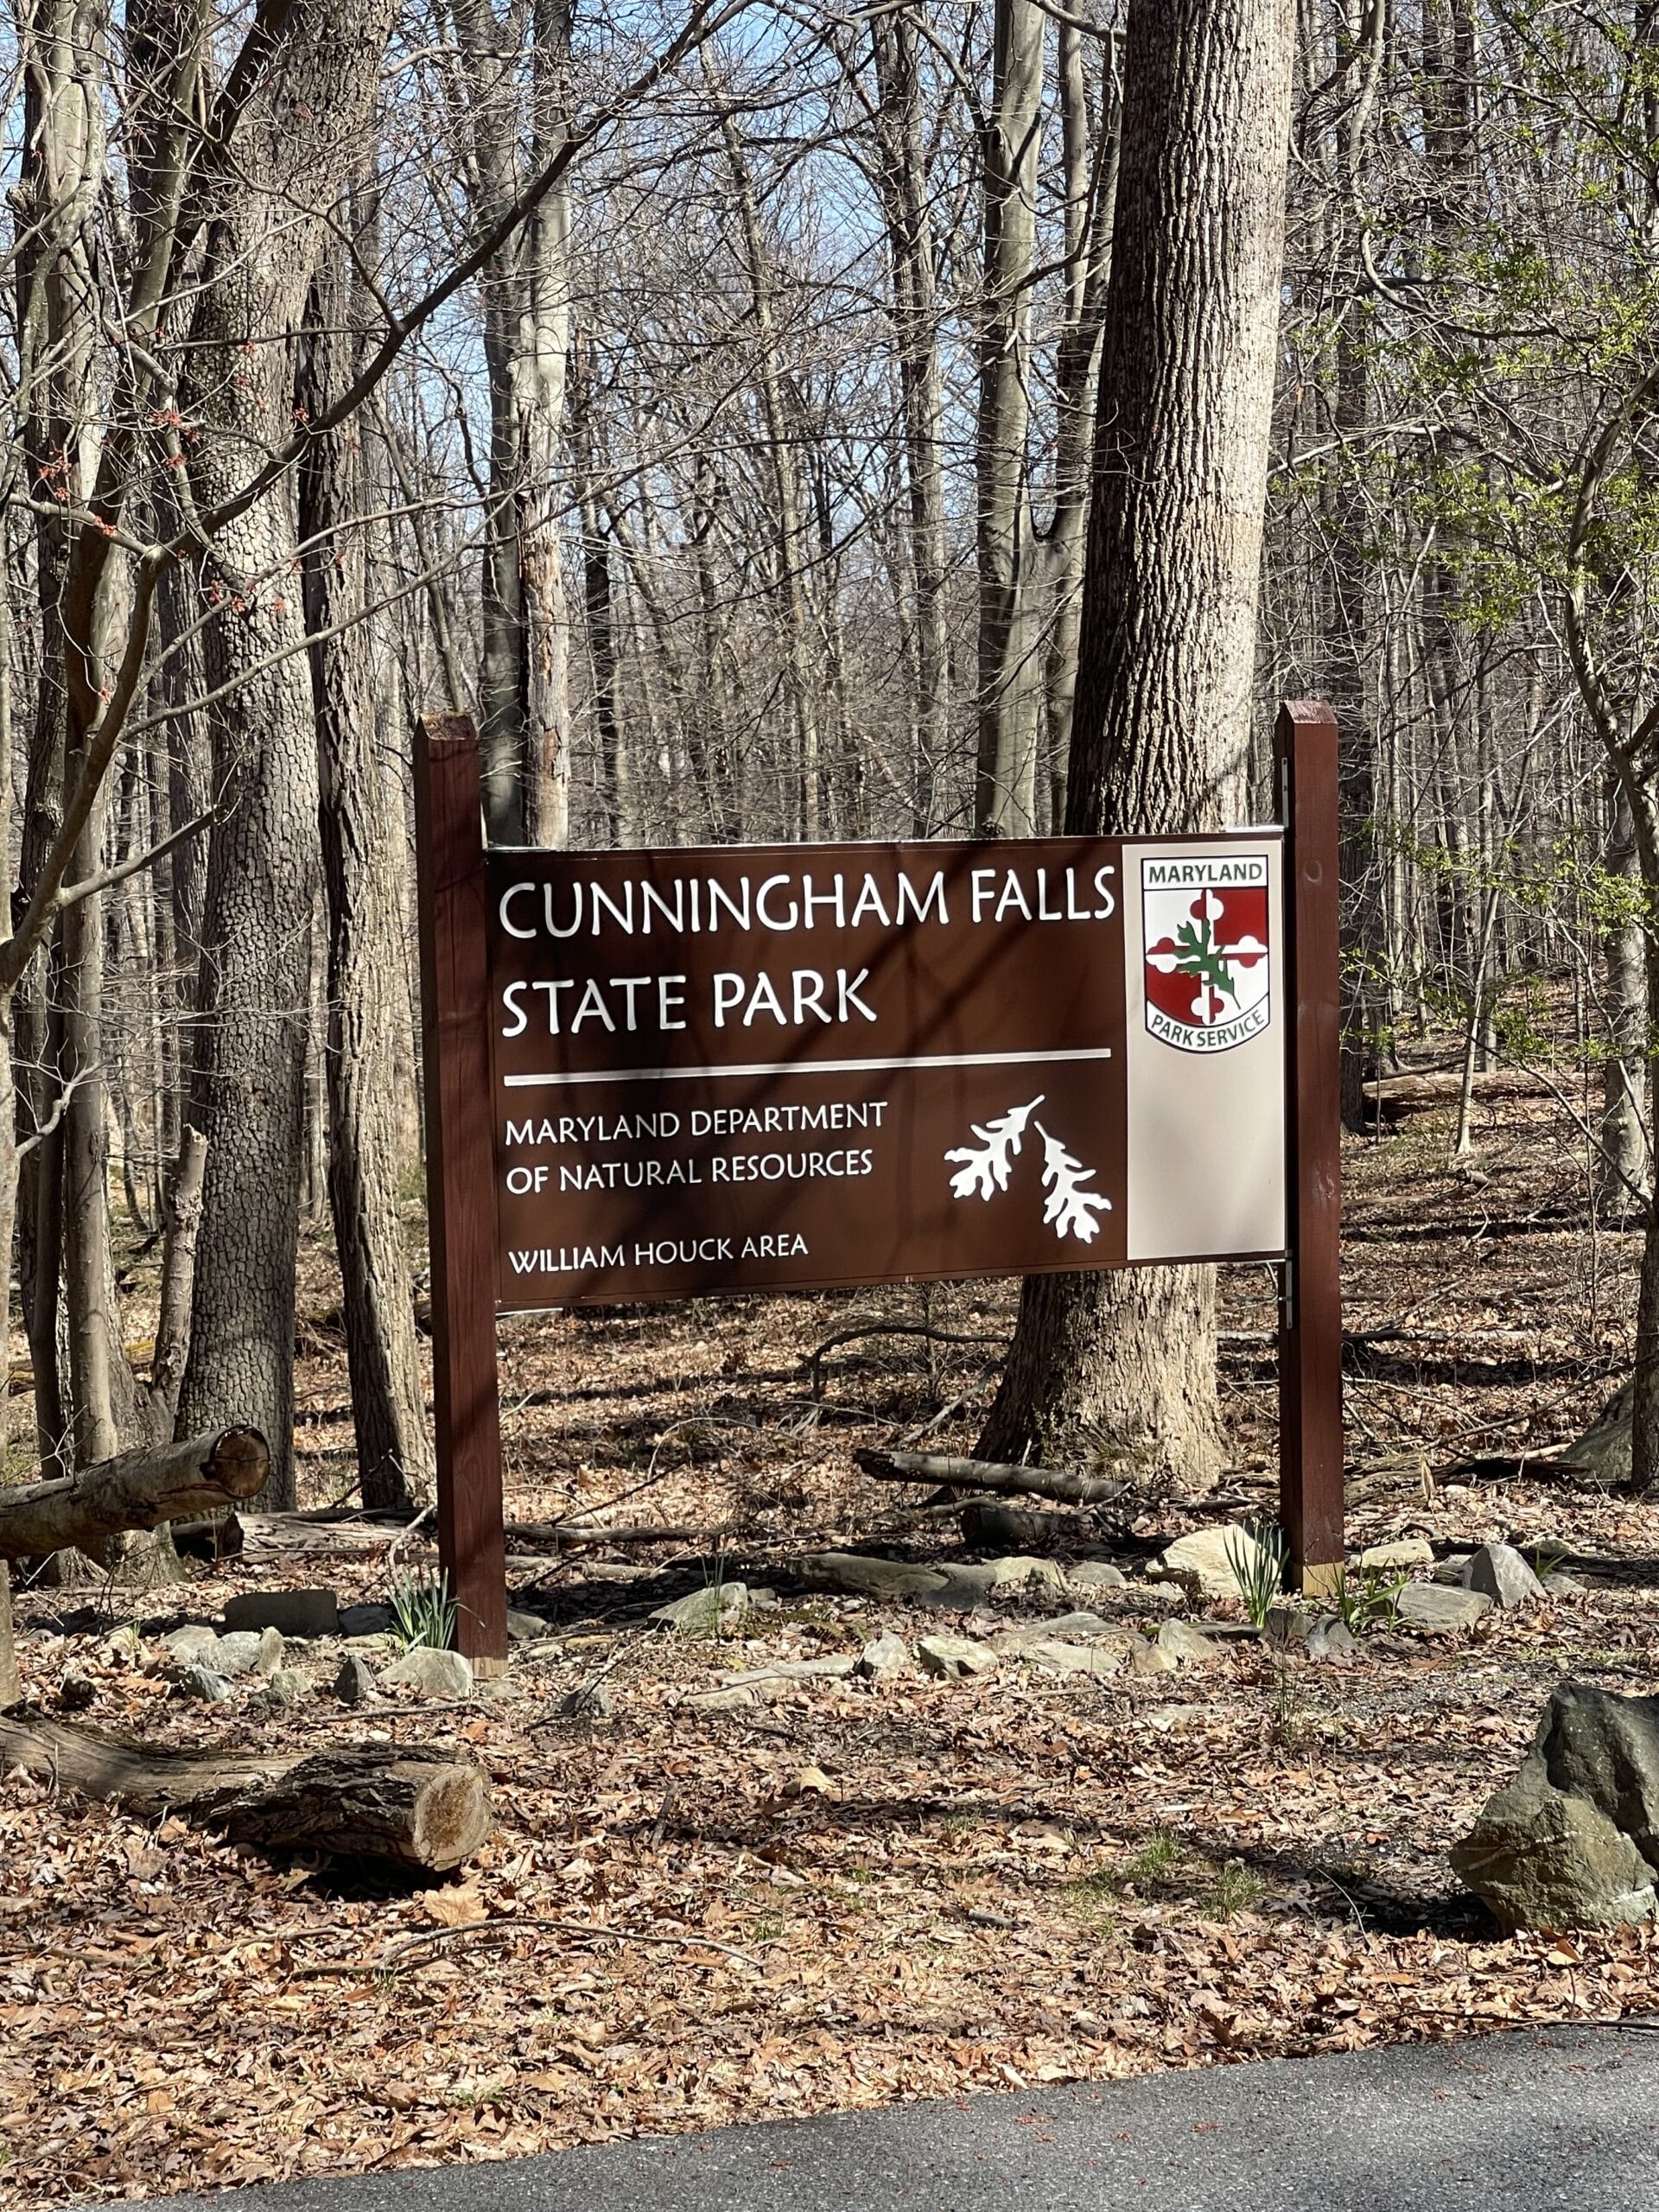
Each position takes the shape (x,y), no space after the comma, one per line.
(363,877)
(409,1804)
(903,182)
(1162,721)
(1005,796)
(523,681)
(1622,1172)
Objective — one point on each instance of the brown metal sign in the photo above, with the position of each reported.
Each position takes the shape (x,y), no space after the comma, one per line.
(652,1074)
(766,1068)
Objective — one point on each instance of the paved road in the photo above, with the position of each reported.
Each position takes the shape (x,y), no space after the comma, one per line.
(1514,2123)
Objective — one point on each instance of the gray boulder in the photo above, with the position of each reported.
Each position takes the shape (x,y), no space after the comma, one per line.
(1437,1611)
(1186,1645)
(1331,1643)
(884,1656)
(295,1612)
(706,1612)
(236,1654)
(203,1683)
(268,1660)
(1573,1841)
(355,1681)
(1096,1574)
(1503,1575)
(431,1673)
(953,1656)
(284,1688)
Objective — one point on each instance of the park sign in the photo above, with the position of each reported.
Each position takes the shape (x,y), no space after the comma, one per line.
(659,1074)
(762,1068)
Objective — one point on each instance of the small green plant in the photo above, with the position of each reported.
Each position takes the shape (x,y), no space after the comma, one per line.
(1366,1598)
(1547,1559)
(1154,1863)
(1238,1889)
(1258,1565)
(423,1612)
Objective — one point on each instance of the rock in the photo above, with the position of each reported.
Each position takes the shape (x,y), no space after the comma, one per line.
(1201,1561)
(1331,1643)
(1146,1657)
(887,1655)
(236,1654)
(1021,1570)
(892,1579)
(1289,1624)
(736,1697)
(1062,1658)
(1562,1585)
(273,1650)
(704,1612)
(1501,1573)
(355,1681)
(199,1682)
(295,1612)
(75,1693)
(1451,1569)
(954,1657)
(1067,1628)
(366,1620)
(431,1673)
(1186,1645)
(1436,1611)
(593,1702)
(1573,1841)
(527,1628)
(284,1688)
(190,1641)
(836,1667)
(1096,1574)
(1398,1555)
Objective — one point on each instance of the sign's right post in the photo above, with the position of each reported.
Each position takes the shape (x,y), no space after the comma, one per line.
(1310,1302)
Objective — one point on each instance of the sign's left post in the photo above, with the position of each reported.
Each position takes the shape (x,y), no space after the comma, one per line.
(460,1182)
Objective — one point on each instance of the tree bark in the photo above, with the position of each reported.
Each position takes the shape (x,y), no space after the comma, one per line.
(410,1805)
(1005,799)
(362,879)
(903,177)
(1161,737)
(296,141)
(523,678)
(141,1490)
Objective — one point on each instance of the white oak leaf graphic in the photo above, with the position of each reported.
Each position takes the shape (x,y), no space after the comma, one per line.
(985,1166)
(1070,1207)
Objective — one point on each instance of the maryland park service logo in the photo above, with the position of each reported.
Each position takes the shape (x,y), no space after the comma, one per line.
(1205,927)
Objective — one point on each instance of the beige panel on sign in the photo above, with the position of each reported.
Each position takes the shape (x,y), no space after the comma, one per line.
(1205,1126)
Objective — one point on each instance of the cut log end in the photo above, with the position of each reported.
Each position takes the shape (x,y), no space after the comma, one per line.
(411,1806)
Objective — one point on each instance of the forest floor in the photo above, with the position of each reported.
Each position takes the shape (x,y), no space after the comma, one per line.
(921,1887)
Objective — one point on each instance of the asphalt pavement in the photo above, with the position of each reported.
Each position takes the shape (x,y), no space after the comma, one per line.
(1521,2122)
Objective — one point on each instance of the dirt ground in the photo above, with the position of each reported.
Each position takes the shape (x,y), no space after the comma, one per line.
(918,1887)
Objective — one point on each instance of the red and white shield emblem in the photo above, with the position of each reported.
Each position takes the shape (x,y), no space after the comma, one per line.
(1205,927)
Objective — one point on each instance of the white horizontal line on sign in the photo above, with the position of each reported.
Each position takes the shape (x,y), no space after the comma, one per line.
(806,1067)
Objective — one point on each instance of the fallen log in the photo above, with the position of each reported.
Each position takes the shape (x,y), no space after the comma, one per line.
(594,1532)
(988,1527)
(992,1474)
(410,1805)
(141,1490)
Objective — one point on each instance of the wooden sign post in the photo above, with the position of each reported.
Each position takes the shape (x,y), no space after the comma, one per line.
(1309,1304)
(461,1182)
(662,1074)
